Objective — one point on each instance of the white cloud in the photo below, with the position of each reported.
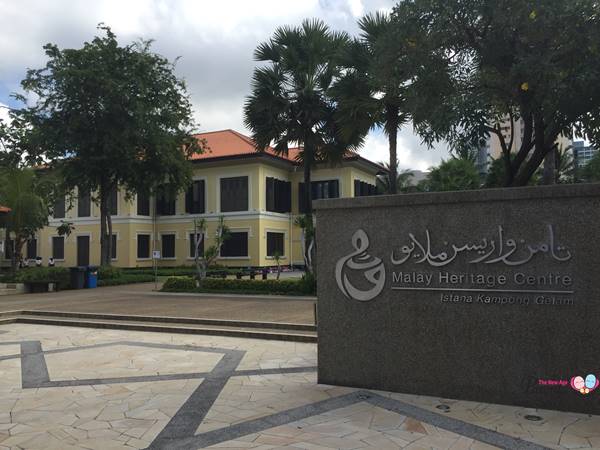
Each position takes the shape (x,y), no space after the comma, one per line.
(215,41)
(4,113)
(412,154)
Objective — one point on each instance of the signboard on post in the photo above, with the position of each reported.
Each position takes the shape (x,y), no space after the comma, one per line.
(156,254)
(488,296)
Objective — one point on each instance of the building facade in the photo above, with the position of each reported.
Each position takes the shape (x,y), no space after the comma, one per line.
(258,194)
(583,153)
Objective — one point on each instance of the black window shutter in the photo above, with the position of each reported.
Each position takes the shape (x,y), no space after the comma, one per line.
(334,189)
(200,193)
(301,198)
(189,199)
(271,194)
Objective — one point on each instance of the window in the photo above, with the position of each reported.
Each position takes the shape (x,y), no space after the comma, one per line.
(113,245)
(32,249)
(362,189)
(193,245)
(234,194)
(58,247)
(58,211)
(275,244)
(9,246)
(236,245)
(165,203)
(143,246)
(143,204)
(194,198)
(319,190)
(114,202)
(279,195)
(83,204)
(168,246)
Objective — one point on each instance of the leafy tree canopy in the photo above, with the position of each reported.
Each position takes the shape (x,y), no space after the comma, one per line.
(108,115)
(26,194)
(591,171)
(505,60)
(452,175)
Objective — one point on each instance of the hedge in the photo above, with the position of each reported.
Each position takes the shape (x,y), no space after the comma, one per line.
(304,286)
(125,279)
(107,276)
(58,275)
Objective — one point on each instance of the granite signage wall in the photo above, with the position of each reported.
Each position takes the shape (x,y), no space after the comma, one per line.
(484,295)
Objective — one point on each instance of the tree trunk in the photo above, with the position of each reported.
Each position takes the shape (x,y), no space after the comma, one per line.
(308,159)
(392,132)
(549,174)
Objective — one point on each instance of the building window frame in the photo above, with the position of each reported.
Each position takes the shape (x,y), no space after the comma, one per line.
(162,253)
(205,180)
(64,242)
(79,204)
(275,231)
(249,235)
(137,246)
(234,175)
(137,205)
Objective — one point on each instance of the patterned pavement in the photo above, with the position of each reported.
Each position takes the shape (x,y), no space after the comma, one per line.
(76,388)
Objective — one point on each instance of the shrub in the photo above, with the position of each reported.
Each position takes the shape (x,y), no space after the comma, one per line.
(58,275)
(179,284)
(281,287)
(109,272)
(126,279)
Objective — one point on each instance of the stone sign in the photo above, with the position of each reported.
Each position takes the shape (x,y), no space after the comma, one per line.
(483,295)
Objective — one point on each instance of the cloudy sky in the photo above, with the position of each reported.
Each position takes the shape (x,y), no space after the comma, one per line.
(215,40)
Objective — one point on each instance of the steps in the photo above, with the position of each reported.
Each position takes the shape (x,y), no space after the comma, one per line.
(183,325)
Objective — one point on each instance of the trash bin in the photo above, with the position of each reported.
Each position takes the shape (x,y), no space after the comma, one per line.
(91,277)
(77,277)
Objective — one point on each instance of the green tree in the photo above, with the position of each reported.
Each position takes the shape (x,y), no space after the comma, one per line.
(209,256)
(403,180)
(290,100)
(452,175)
(591,171)
(372,89)
(110,116)
(23,191)
(506,61)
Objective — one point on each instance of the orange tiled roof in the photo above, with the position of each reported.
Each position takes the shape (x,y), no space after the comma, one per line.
(231,143)
(4,209)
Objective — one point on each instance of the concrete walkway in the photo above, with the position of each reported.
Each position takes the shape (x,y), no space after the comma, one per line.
(140,299)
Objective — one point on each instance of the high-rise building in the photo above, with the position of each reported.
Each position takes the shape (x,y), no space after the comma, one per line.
(583,153)
(492,149)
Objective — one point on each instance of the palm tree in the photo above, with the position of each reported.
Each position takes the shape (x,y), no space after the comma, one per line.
(403,180)
(21,191)
(371,92)
(290,104)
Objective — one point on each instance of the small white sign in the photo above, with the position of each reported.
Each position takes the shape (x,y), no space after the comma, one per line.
(156,254)
(1,246)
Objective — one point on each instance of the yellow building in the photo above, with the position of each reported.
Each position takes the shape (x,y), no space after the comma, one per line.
(257,193)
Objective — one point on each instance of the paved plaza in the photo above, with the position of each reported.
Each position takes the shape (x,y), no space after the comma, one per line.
(76,388)
(141,299)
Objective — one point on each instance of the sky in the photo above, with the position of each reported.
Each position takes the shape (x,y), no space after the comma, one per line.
(214,40)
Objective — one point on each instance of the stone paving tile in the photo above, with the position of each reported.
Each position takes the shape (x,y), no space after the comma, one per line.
(355,427)
(127,361)
(245,398)
(132,414)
